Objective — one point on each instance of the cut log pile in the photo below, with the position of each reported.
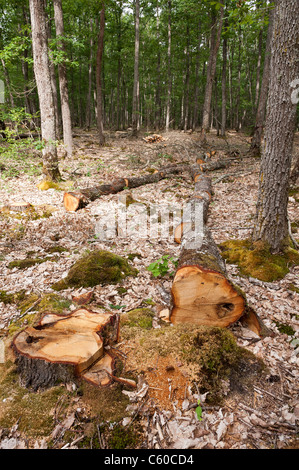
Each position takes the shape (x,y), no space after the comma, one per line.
(153,139)
(62,347)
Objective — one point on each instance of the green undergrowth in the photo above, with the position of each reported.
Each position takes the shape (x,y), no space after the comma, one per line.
(256,260)
(35,305)
(98,267)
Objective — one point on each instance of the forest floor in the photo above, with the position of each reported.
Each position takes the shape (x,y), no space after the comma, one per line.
(261,415)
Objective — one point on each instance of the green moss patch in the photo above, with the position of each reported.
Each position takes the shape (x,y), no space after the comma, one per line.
(210,354)
(98,267)
(256,260)
(32,411)
(25,263)
(141,318)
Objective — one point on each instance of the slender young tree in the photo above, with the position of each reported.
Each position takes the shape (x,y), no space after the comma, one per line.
(99,69)
(211,70)
(256,141)
(45,92)
(135,112)
(169,81)
(63,82)
(271,225)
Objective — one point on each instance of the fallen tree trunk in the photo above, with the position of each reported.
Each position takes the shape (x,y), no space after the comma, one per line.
(76,200)
(201,291)
(63,347)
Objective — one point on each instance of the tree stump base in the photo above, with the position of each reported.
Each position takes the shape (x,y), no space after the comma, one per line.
(61,348)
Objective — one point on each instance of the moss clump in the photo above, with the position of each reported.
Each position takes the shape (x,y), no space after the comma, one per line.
(25,263)
(284,328)
(53,303)
(48,303)
(56,249)
(98,267)
(123,438)
(211,354)
(62,186)
(293,288)
(141,318)
(35,409)
(107,403)
(256,260)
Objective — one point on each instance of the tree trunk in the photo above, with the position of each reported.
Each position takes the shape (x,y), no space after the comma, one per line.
(58,119)
(196,93)
(63,84)
(271,224)
(45,92)
(88,101)
(99,67)
(169,81)
(135,106)
(223,85)
(214,46)
(256,142)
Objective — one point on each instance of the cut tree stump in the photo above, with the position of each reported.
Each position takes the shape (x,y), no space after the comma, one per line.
(62,347)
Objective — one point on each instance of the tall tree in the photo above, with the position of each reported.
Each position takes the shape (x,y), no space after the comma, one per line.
(271,224)
(63,82)
(169,78)
(135,111)
(45,92)
(99,69)
(256,141)
(211,69)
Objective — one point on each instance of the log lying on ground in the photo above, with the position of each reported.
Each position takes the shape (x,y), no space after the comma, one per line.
(201,291)
(63,347)
(76,200)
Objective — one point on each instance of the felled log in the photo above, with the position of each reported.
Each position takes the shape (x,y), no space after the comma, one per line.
(79,199)
(76,200)
(63,347)
(201,291)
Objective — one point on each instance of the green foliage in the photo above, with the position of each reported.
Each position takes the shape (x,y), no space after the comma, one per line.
(161,267)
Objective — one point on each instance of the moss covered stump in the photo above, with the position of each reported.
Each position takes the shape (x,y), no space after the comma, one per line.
(99,267)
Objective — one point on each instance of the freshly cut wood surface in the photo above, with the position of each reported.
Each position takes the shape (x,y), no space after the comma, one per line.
(100,374)
(76,339)
(205,297)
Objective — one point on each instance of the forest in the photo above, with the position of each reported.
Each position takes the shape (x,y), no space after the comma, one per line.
(149,225)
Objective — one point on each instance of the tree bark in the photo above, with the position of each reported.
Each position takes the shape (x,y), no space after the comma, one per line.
(169,81)
(63,83)
(223,85)
(88,101)
(135,106)
(271,225)
(99,68)
(45,92)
